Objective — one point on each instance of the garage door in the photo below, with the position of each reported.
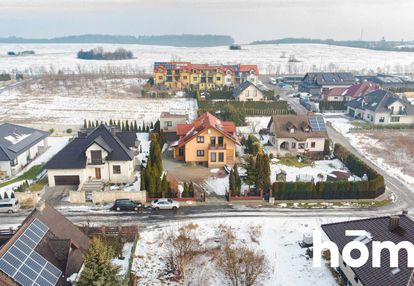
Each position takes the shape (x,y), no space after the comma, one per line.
(66,180)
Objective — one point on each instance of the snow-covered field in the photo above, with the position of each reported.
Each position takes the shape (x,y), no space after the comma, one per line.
(278,239)
(398,164)
(313,57)
(70,102)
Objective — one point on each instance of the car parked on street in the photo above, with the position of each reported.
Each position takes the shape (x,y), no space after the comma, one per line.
(9,206)
(164,204)
(126,205)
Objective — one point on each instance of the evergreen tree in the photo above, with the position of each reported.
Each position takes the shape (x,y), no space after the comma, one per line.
(232,183)
(152,125)
(165,185)
(89,124)
(135,126)
(98,269)
(147,130)
(156,156)
(119,124)
(122,126)
(110,122)
(237,178)
(185,191)
(143,126)
(191,189)
(127,126)
(326,148)
(143,183)
(96,123)
(251,172)
(139,129)
(157,127)
(85,124)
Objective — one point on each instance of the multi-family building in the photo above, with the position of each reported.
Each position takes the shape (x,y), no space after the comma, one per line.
(181,75)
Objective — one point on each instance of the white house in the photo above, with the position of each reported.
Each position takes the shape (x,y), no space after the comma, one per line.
(382,107)
(248,91)
(101,154)
(168,121)
(19,145)
(297,133)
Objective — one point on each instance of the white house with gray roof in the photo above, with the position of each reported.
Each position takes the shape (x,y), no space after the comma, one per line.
(382,107)
(248,91)
(99,154)
(19,145)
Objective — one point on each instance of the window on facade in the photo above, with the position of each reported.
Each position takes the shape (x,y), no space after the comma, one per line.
(221,157)
(293,145)
(181,152)
(220,141)
(200,139)
(184,77)
(14,162)
(213,157)
(301,145)
(200,153)
(382,119)
(96,157)
(218,78)
(395,119)
(313,144)
(116,169)
(169,123)
(213,141)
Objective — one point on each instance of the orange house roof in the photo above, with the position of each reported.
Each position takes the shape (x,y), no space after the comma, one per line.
(205,121)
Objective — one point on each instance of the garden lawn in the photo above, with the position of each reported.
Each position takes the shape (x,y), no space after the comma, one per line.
(31,174)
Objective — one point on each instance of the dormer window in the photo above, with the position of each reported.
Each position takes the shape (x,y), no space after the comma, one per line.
(292,130)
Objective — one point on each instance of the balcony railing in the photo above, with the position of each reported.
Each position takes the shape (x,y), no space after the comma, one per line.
(96,162)
(217,146)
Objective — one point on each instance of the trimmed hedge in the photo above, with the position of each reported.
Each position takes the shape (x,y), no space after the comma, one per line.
(249,108)
(337,189)
(332,105)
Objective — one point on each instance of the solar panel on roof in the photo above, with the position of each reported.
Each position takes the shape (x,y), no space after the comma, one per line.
(23,264)
(21,145)
(317,123)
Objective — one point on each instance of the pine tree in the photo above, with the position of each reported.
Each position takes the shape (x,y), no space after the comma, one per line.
(232,183)
(110,122)
(157,127)
(122,126)
(152,125)
(127,126)
(96,123)
(143,126)
(148,129)
(85,124)
(191,189)
(251,172)
(165,185)
(135,126)
(143,182)
(139,129)
(119,124)
(89,124)
(237,178)
(185,191)
(98,269)
(326,148)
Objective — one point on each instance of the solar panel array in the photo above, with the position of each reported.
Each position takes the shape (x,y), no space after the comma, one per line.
(21,145)
(24,265)
(317,123)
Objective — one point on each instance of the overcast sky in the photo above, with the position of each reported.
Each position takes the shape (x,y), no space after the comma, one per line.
(244,20)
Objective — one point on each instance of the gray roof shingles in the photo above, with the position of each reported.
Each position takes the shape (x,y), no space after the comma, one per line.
(379,229)
(72,156)
(9,150)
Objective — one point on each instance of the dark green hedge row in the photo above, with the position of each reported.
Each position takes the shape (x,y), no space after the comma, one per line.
(5,77)
(332,105)
(248,108)
(337,189)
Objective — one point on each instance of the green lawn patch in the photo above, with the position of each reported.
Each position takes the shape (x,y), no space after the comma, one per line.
(293,162)
(38,186)
(31,174)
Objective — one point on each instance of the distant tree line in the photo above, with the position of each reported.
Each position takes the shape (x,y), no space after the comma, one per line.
(99,54)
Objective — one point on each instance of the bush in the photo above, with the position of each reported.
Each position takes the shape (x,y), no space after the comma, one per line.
(99,54)
(332,105)
(69,131)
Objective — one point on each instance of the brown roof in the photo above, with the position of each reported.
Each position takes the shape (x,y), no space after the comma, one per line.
(64,245)
(170,115)
(283,124)
(379,229)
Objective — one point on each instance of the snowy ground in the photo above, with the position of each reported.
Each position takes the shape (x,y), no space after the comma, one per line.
(313,57)
(386,155)
(278,240)
(321,167)
(71,102)
(124,263)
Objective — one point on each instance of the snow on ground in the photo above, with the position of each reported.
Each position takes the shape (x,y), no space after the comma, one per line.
(279,239)
(219,184)
(63,57)
(363,143)
(124,263)
(322,167)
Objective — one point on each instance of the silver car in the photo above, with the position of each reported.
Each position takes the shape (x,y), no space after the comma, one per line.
(164,204)
(9,206)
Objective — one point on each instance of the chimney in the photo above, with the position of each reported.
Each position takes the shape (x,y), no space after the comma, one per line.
(394,222)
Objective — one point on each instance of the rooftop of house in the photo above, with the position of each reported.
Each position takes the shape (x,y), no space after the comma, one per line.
(241,87)
(387,79)
(303,126)
(16,139)
(73,156)
(394,229)
(202,123)
(171,115)
(379,100)
(45,239)
(354,91)
(329,78)
(188,66)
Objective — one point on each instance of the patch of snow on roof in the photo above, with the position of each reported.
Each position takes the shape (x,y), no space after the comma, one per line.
(16,138)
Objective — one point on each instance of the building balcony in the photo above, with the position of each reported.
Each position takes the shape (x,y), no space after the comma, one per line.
(217,147)
(96,162)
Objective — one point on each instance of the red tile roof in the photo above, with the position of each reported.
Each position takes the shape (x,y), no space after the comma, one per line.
(202,123)
(361,89)
(335,91)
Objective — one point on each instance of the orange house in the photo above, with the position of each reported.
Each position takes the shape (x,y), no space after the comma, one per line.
(208,141)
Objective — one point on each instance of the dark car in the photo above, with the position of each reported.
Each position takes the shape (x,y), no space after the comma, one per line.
(126,205)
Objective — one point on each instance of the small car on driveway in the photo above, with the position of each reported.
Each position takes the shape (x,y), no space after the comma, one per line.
(164,204)
(126,205)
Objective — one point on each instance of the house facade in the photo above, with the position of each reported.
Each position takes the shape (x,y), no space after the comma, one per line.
(95,155)
(19,145)
(179,75)
(393,229)
(248,91)
(168,121)
(206,141)
(381,107)
(297,134)
(316,83)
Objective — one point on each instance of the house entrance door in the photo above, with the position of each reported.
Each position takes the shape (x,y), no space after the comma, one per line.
(98,173)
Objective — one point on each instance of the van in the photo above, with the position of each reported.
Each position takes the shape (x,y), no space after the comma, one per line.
(9,206)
